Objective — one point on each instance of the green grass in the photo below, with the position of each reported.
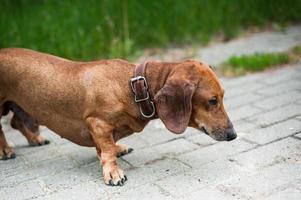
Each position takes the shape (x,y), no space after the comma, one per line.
(239,65)
(257,62)
(296,50)
(93,29)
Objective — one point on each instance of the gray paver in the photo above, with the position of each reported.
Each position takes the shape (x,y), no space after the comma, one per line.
(242,90)
(291,194)
(286,150)
(279,100)
(241,100)
(169,149)
(208,194)
(276,115)
(266,182)
(274,132)
(242,126)
(149,191)
(26,190)
(243,112)
(85,191)
(261,42)
(207,154)
(280,88)
(298,135)
(149,173)
(201,139)
(206,175)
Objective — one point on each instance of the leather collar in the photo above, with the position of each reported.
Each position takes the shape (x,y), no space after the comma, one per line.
(141,94)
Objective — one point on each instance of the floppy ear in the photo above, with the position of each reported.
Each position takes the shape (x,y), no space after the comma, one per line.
(173,103)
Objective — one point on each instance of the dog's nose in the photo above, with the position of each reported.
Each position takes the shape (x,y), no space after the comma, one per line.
(231,135)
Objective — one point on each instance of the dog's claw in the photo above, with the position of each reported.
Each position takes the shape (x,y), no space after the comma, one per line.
(13,155)
(7,153)
(127,151)
(120,183)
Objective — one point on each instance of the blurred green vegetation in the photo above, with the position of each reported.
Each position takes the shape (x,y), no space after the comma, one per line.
(93,29)
(256,62)
(240,65)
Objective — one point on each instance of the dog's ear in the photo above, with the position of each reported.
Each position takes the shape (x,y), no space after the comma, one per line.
(173,103)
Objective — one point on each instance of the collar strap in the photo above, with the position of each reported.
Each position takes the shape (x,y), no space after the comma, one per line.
(141,94)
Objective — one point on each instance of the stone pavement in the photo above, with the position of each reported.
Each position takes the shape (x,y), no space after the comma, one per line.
(268,41)
(263,163)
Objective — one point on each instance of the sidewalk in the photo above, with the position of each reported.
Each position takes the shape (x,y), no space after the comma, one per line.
(216,53)
(263,163)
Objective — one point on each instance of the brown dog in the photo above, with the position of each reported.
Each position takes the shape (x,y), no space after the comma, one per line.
(92,104)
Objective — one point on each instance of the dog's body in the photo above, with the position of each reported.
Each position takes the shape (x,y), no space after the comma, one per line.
(91,103)
(61,94)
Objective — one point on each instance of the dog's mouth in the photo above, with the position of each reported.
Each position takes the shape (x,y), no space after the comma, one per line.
(204,130)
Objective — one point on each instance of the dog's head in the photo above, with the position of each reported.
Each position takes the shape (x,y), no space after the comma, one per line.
(192,96)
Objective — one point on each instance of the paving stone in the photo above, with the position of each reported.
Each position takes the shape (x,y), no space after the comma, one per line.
(25,190)
(85,191)
(153,134)
(39,154)
(70,147)
(77,175)
(214,152)
(149,174)
(298,135)
(291,194)
(262,42)
(15,138)
(281,75)
(169,149)
(243,127)
(16,164)
(266,182)
(201,139)
(36,170)
(298,118)
(206,175)
(274,132)
(84,156)
(282,88)
(134,141)
(156,136)
(241,100)
(278,101)
(238,81)
(276,115)
(243,112)
(283,151)
(149,191)
(243,89)
(206,193)
(66,179)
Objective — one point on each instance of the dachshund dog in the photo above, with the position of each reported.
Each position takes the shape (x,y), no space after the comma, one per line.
(93,103)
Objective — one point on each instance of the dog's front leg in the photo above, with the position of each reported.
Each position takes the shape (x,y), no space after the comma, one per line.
(102,134)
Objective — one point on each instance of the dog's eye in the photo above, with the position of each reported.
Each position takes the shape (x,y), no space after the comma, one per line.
(213,101)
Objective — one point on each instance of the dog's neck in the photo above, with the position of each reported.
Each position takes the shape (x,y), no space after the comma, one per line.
(156,74)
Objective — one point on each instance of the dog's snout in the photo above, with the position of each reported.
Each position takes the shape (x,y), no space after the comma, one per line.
(231,134)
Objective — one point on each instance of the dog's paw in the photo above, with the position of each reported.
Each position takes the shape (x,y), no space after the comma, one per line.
(114,176)
(7,153)
(123,150)
(38,141)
